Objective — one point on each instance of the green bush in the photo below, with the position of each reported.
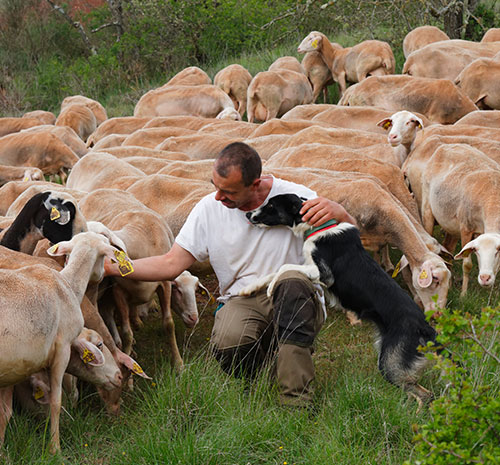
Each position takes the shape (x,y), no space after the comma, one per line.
(465,420)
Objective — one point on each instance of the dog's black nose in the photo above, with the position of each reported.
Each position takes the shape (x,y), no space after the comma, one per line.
(248,215)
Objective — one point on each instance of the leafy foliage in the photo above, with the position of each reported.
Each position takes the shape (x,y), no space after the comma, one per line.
(465,421)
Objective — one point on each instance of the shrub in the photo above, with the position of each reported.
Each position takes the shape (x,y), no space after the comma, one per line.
(465,421)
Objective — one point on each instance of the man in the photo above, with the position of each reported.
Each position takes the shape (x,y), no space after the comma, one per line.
(247,330)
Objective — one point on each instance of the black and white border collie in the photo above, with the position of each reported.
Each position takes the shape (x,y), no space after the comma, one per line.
(335,257)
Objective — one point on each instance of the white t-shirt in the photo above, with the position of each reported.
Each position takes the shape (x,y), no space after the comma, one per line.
(240,252)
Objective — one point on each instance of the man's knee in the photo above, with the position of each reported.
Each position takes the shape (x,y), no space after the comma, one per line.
(295,311)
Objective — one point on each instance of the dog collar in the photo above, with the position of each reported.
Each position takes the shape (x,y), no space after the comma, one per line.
(328,225)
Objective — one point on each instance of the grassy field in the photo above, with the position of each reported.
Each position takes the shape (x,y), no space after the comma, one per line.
(203,416)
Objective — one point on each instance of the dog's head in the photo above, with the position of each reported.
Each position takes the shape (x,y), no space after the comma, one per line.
(280,210)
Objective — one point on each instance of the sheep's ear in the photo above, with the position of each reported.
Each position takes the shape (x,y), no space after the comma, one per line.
(89,353)
(211,298)
(425,275)
(131,364)
(59,249)
(466,251)
(386,123)
(40,390)
(418,122)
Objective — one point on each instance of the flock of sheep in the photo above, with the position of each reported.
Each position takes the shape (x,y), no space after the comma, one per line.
(399,152)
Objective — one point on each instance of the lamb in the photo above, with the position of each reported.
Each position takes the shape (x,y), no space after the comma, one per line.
(97,109)
(272,93)
(352,64)
(37,290)
(44,151)
(446,59)
(438,99)
(480,82)
(234,80)
(456,185)
(79,118)
(48,215)
(208,101)
(422,36)
(318,73)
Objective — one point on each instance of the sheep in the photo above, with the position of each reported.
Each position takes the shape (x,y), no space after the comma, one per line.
(266,146)
(79,118)
(118,125)
(97,109)
(44,151)
(383,220)
(306,111)
(458,189)
(352,64)
(151,137)
(170,196)
(422,36)
(446,59)
(46,214)
(234,80)
(99,169)
(191,76)
(200,170)
(204,100)
(318,73)
(11,125)
(490,118)
(14,173)
(273,93)
(40,290)
(290,63)
(278,126)
(134,151)
(111,141)
(480,82)
(45,117)
(197,146)
(438,99)
(491,35)
(337,158)
(65,133)
(357,117)
(144,233)
(229,128)
(180,121)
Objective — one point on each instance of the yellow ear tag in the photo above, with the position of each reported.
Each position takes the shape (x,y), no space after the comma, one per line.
(387,125)
(54,214)
(39,393)
(137,369)
(397,269)
(314,43)
(88,356)
(423,275)
(124,264)
(53,249)
(26,178)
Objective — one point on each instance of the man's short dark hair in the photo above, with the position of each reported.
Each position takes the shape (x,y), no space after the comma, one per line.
(241,156)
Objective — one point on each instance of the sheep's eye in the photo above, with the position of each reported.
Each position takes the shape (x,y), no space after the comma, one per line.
(99,345)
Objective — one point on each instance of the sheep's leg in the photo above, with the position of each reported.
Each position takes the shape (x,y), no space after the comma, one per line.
(164,292)
(427,216)
(5,410)
(123,308)
(342,84)
(466,237)
(450,242)
(57,369)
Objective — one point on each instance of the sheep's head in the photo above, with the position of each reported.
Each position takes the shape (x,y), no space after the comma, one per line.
(402,127)
(311,43)
(229,114)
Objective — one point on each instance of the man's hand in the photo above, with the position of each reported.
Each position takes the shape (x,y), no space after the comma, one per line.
(320,210)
